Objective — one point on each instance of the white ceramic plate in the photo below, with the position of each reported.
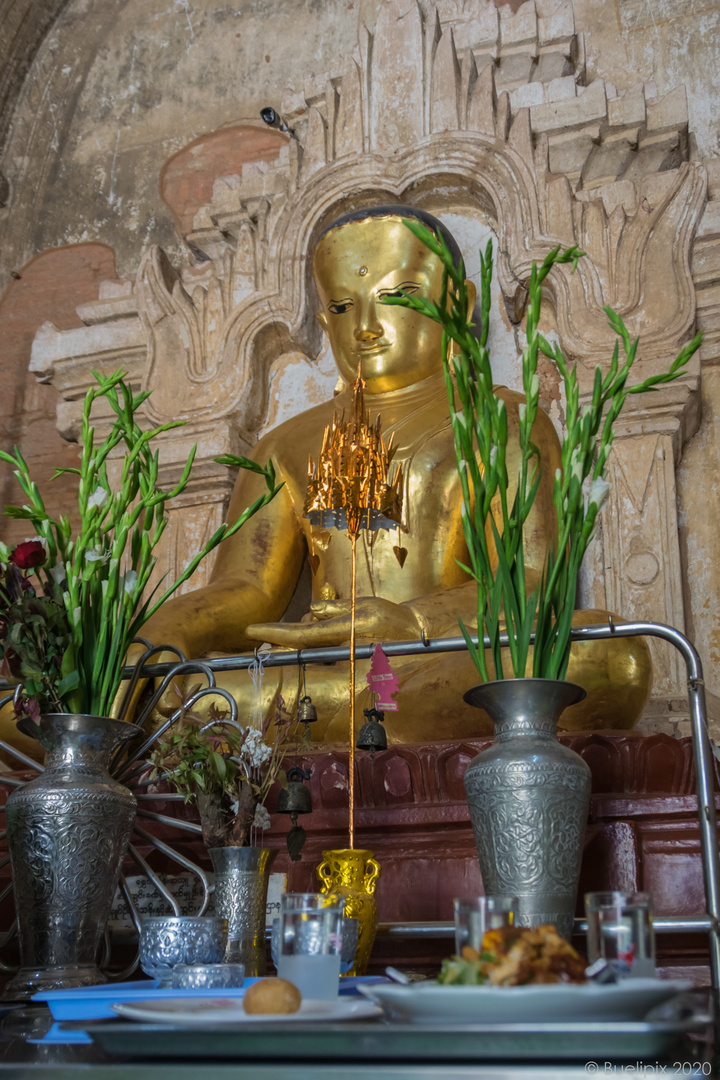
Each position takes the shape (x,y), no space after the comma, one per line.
(206,1011)
(628,1000)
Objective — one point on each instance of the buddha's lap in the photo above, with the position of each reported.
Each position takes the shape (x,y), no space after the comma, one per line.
(616,674)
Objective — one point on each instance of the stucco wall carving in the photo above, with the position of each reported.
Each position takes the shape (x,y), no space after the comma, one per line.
(462,107)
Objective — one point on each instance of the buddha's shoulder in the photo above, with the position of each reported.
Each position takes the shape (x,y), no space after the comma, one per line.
(298,435)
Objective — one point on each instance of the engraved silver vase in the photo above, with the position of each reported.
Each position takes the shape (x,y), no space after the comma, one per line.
(242,875)
(67,831)
(529,798)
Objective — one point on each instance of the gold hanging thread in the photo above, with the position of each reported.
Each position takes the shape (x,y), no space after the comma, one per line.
(350,488)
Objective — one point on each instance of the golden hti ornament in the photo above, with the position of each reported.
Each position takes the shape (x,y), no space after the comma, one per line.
(350,488)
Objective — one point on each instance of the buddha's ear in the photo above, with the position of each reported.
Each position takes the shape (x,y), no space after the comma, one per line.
(322,319)
(471,296)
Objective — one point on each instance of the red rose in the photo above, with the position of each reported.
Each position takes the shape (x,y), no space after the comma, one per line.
(27,555)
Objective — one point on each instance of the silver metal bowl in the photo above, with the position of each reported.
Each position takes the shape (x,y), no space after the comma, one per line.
(207,976)
(169,940)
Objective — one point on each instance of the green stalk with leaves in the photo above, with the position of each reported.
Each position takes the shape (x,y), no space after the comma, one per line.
(103,572)
(480,433)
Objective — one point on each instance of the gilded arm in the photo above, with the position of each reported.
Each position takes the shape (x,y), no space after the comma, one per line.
(253,578)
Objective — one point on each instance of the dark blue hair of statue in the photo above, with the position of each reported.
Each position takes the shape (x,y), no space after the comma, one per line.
(402,211)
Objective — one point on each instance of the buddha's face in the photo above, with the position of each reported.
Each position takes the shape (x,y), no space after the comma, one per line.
(358,264)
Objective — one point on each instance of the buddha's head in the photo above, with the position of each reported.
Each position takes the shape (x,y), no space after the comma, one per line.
(361,258)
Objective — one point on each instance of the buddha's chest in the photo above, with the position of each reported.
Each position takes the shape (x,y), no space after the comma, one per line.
(418,558)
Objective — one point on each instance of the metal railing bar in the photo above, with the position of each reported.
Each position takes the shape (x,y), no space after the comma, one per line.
(662,924)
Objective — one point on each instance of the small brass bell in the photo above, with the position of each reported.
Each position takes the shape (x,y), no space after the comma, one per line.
(372,735)
(307,713)
(295,798)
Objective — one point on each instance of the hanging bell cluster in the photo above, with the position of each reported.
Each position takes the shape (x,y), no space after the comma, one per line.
(372,735)
(295,799)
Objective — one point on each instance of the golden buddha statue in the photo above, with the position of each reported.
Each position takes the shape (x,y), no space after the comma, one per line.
(360,259)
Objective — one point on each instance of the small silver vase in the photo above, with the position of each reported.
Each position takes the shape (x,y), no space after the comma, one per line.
(68,831)
(529,798)
(242,875)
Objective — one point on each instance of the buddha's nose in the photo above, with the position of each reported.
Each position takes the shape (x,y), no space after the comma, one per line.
(369,328)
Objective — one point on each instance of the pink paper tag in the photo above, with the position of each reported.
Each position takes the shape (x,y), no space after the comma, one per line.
(382,681)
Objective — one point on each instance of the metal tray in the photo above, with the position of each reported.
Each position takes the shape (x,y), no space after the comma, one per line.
(390,1042)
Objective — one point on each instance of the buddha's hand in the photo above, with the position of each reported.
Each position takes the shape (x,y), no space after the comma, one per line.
(375,619)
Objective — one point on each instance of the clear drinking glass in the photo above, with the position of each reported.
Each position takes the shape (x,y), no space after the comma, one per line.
(620,930)
(311,943)
(476,914)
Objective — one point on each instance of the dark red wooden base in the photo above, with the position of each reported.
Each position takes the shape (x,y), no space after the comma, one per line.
(411,812)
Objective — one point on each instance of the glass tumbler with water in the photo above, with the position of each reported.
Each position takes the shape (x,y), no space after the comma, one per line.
(476,914)
(311,943)
(620,931)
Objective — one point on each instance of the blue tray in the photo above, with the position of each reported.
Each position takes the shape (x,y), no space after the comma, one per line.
(94,1002)
(56,1036)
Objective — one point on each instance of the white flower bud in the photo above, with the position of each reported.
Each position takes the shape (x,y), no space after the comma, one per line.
(96,554)
(99,497)
(463,508)
(535,385)
(130,581)
(493,456)
(459,416)
(522,410)
(599,492)
(57,572)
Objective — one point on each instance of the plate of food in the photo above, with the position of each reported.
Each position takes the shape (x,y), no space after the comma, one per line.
(522,975)
(268,1000)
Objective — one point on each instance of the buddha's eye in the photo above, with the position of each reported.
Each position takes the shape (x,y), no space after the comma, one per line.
(408,288)
(339,307)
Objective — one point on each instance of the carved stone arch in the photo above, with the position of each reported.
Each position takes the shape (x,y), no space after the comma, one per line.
(184,371)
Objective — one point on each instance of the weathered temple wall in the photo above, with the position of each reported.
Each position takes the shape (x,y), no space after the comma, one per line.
(117,88)
(114,90)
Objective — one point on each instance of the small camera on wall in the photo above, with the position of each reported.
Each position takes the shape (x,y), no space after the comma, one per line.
(274,119)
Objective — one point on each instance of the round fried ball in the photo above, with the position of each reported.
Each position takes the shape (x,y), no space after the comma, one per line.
(272,996)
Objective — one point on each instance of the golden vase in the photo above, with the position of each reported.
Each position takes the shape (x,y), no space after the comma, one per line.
(352,874)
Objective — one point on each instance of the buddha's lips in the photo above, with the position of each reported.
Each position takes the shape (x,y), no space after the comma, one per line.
(376,347)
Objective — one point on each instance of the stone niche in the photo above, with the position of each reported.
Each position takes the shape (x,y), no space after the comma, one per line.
(484,115)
